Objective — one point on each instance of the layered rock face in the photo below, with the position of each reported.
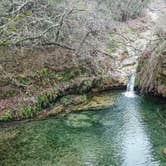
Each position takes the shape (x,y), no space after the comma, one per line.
(151,72)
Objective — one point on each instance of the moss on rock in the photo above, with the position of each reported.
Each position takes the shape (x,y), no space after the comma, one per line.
(69,88)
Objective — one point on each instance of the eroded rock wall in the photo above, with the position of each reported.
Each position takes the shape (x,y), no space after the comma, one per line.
(151,72)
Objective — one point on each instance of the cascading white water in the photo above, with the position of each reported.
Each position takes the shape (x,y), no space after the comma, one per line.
(130,87)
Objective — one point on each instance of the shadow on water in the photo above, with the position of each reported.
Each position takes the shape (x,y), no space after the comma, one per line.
(128,134)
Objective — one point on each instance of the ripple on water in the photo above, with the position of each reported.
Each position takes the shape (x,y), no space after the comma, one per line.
(130,133)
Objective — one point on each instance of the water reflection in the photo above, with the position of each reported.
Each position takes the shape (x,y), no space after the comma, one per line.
(137,148)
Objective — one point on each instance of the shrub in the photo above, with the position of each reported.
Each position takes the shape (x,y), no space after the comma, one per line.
(6,117)
(85,86)
(73,100)
(66,101)
(28,112)
(43,101)
(122,10)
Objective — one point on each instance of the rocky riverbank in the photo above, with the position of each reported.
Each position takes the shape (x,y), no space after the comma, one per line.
(74,95)
(47,91)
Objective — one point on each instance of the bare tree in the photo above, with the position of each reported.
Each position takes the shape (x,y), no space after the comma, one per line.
(80,25)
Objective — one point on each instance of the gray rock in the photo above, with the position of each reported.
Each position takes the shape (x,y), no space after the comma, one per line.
(164,151)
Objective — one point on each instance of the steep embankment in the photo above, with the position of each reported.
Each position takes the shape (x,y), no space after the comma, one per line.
(151,72)
(33,81)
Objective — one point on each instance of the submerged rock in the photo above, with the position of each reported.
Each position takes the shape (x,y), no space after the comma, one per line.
(77,103)
(78,120)
(97,102)
(164,151)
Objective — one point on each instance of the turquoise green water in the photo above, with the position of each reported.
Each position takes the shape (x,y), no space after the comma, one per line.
(131,133)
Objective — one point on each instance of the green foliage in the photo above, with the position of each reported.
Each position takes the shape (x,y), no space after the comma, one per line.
(4,43)
(25,80)
(43,101)
(66,101)
(85,86)
(44,73)
(6,117)
(99,83)
(9,93)
(28,112)
(71,74)
(47,98)
(49,76)
(73,100)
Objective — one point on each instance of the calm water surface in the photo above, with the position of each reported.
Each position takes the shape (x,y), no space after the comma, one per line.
(131,133)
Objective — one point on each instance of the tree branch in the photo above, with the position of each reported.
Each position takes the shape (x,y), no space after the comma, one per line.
(59,45)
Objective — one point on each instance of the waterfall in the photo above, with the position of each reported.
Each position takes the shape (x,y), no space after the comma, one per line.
(130,87)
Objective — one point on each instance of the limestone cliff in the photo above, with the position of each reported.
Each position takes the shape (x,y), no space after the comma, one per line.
(151,72)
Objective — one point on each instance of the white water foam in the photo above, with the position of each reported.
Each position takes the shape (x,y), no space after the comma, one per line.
(130,87)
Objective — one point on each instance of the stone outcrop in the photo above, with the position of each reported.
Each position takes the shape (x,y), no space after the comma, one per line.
(151,72)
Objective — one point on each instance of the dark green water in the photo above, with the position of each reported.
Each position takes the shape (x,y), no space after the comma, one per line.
(129,134)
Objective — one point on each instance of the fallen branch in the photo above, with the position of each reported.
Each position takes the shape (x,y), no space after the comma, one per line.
(106,54)
(59,45)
